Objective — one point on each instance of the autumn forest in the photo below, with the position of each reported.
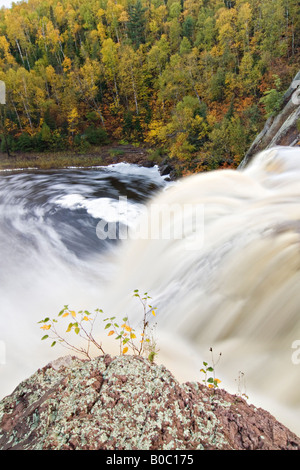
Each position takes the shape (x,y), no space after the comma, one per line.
(194,80)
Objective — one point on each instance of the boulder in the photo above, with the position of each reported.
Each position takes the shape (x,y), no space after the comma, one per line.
(129,403)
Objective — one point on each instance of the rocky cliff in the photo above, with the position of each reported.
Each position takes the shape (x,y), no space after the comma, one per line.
(128,403)
(282,129)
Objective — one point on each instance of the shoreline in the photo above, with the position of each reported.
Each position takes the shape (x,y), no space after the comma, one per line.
(98,156)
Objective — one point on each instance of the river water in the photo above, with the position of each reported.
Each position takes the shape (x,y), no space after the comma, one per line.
(52,253)
(229,279)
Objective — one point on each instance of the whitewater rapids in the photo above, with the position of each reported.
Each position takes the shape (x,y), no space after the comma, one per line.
(229,280)
(233,283)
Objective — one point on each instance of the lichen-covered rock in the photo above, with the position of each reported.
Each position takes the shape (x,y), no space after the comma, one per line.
(128,403)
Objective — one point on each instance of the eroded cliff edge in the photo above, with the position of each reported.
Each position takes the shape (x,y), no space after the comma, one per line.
(128,403)
(282,129)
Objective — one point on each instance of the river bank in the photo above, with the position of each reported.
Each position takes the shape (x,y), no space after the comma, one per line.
(98,156)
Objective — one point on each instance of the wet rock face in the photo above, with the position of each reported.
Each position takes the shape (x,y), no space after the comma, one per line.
(282,129)
(127,403)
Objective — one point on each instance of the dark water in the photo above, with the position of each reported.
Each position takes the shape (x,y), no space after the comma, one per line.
(51,253)
(64,206)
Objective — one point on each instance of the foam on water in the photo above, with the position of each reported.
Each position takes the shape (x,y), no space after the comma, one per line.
(235,287)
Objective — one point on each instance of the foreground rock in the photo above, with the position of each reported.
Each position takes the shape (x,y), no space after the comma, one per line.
(127,403)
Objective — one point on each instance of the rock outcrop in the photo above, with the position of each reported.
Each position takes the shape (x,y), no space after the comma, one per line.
(128,403)
(282,129)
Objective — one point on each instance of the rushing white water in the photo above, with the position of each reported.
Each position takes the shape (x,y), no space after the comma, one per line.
(230,280)
(50,252)
(236,287)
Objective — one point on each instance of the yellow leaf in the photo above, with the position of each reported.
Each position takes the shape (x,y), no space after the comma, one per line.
(46,327)
(153,313)
(86,318)
(218,381)
(110,333)
(65,314)
(132,335)
(210,386)
(126,327)
(125,350)
(73,313)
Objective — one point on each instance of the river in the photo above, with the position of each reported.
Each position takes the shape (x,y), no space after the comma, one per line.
(229,279)
(52,253)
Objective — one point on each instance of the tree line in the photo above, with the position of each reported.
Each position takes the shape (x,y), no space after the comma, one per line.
(194,79)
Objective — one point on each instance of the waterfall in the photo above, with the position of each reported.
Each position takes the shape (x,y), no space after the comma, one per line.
(218,252)
(231,282)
